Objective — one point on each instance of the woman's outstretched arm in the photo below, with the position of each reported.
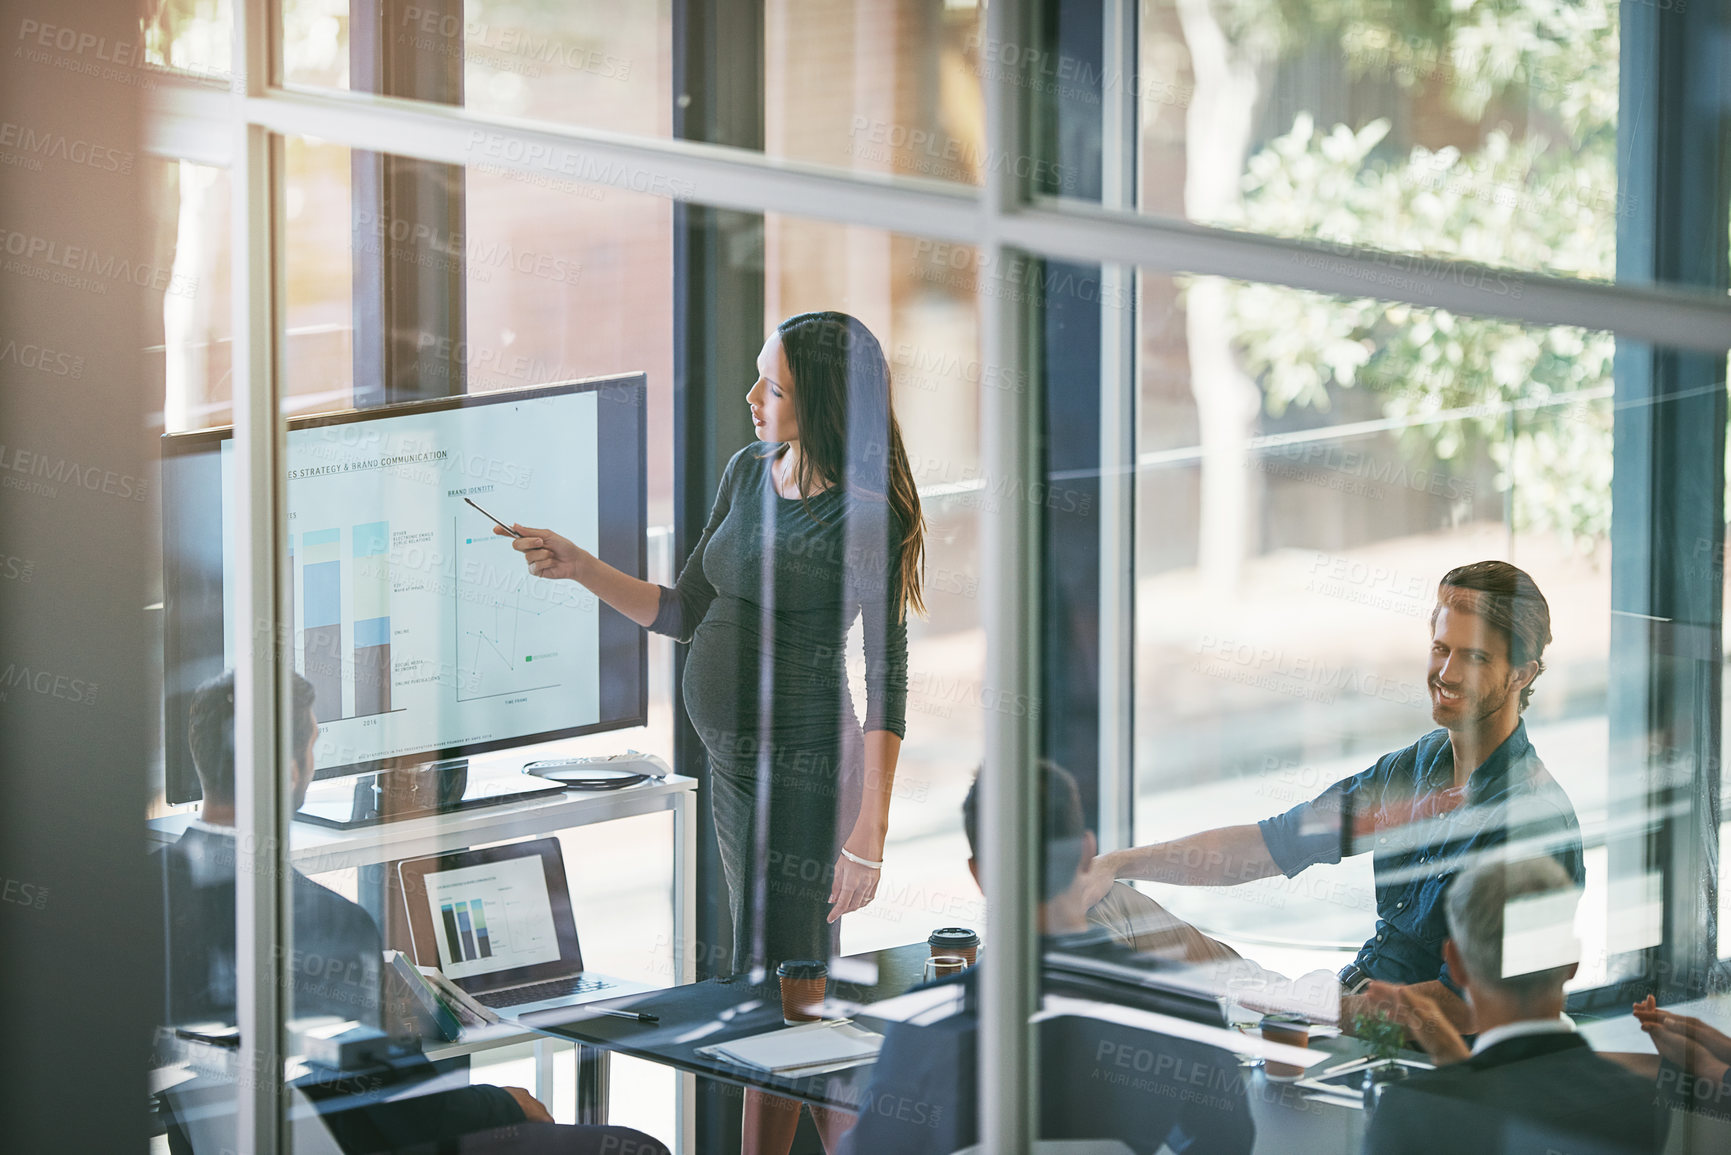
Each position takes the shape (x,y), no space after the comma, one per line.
(673,611)
(551,556)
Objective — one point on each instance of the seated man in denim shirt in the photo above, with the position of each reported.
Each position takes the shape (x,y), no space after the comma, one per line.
(1424,812)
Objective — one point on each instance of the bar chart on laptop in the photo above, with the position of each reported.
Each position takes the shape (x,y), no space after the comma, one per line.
(466,935)
(492,917)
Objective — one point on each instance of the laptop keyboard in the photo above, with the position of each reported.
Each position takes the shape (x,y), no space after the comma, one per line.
(535,992)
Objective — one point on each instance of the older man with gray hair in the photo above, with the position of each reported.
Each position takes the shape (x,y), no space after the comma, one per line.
(1529,1082)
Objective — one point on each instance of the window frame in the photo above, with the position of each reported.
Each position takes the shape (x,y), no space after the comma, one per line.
(1007,222)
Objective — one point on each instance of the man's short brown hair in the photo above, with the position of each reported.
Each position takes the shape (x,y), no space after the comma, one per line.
(1061,826)
(1508,600)
(212,732)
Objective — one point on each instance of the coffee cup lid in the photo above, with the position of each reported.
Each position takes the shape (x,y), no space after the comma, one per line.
(803,968)
(954,936)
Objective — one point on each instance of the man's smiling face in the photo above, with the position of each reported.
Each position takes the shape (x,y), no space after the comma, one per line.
(1470,676)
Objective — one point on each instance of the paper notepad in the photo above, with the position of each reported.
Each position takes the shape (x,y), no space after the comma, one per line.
(808,1049)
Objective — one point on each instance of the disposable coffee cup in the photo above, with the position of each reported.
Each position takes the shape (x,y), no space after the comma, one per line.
(942,966)
(802,990)
(954,940)
(1292,1030)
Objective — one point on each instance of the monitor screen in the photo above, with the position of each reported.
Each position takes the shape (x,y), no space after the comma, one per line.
(422,632)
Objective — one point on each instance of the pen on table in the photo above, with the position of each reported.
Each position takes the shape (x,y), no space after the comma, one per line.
(639,1016)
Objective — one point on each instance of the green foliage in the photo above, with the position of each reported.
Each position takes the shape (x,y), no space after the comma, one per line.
(186,34)
(1540,197)
(1376,1030)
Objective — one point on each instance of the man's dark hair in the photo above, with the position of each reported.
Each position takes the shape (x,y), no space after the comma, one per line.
(1509,601)
(1061,827)
(212,734)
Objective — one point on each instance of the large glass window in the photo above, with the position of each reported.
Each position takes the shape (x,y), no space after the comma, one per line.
(1239,498)
(870,87)
(189,36)
(875,87)
(595,65)
(1485,132)
(542,299)
(928,327)
(1298,502)
(198,330)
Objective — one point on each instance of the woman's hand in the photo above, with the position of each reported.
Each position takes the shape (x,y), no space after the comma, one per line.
(1688,1042)
(1715,1040)
(1676,1041)
(855,885)
(548,554)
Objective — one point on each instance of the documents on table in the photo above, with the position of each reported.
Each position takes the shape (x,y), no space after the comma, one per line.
(807,1049)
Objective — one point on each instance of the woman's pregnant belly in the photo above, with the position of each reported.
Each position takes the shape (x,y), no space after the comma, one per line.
(731,651)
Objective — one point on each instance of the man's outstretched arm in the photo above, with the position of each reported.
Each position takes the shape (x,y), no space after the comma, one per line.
(1226,856)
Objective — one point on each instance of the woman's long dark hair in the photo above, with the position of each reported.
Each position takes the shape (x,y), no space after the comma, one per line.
(848,433)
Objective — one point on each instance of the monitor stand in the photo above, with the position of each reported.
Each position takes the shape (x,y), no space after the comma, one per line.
(441,787)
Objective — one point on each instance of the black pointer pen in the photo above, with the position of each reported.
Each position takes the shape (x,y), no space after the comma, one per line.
(493,519)
(639,1016)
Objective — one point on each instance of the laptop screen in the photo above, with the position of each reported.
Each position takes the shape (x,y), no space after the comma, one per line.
(495,916)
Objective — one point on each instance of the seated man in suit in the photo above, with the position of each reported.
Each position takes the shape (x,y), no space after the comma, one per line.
(336,962)
(1102,1080)
(1529,1082)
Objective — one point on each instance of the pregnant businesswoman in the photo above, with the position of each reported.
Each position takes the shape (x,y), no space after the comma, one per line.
(815,526)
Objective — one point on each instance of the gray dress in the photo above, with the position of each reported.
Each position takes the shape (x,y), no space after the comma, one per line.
(766,601)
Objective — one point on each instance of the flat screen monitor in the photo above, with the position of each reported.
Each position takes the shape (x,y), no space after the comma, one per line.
(422,632)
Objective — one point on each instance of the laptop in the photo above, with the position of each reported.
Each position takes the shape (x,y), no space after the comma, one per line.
(497,922)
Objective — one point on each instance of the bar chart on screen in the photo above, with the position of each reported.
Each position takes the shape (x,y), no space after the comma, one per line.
(419,628)
(345,654)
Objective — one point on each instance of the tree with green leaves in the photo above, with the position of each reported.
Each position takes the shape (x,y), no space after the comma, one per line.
(1538,193)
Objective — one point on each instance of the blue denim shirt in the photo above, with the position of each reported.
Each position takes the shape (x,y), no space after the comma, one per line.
(1510,799)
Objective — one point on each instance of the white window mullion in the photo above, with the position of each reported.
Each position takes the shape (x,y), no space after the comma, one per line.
(261,724)
(1677,318)
(751,182)
(1008,1060)
(1120,129)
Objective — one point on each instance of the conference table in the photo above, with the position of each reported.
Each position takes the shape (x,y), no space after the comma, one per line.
(720,1010)
(1291,1120)
(699,1015)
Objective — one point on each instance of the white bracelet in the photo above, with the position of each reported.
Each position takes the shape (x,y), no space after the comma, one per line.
(865,862)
